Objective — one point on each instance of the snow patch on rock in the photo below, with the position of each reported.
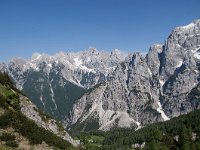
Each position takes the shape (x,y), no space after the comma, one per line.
(161,82)
(179,64)
(189,26)
(160,110)
(52,96)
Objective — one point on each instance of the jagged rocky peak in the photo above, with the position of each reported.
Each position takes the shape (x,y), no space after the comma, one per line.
(180,68)
(87,58)
(156,48)
(61,54)
(181,42)
(154,57)
(90,60)
(36,56)
(15,64)
(18,61)
(186,36)
(92,50)
(194,25)
(116,53)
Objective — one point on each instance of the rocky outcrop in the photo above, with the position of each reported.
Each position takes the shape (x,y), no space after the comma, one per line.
(180,68)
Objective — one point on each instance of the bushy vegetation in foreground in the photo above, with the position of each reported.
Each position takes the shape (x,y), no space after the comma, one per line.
(30,130)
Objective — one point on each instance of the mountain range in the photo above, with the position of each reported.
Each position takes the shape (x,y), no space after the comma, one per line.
(93,89)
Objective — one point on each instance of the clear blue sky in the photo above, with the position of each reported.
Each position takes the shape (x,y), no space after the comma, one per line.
(49,26)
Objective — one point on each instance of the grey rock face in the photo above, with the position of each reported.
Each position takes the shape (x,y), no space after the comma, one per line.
(154,57)
(181,41)
(125,101)
(180,68)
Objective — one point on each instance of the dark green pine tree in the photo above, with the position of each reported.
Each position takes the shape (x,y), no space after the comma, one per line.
(185,138)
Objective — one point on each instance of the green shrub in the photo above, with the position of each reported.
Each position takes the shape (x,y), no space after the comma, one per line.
(5,119)
(5,79)
(12,143)
(12,96)
(7,137)
(3,102)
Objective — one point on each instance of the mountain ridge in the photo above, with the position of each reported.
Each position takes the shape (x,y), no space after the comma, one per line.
(59,75)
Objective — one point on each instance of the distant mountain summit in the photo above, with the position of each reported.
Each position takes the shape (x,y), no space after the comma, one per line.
(94,89)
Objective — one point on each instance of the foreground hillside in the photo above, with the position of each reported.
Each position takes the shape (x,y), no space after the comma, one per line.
(180,133)
(18,130)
